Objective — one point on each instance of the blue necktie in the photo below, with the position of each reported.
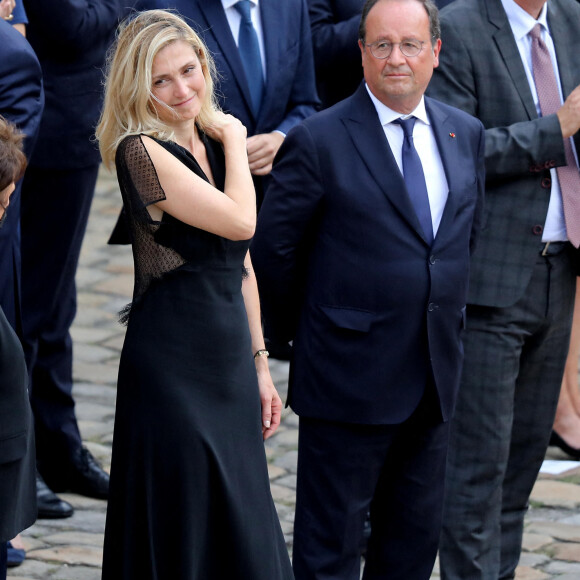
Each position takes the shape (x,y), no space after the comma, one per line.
(249,49)
(415,178)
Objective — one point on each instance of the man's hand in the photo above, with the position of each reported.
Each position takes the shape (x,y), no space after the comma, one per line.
(261,151)
(569,114)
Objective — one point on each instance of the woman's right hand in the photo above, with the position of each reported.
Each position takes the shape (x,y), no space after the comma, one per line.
(226,127)
(6,8)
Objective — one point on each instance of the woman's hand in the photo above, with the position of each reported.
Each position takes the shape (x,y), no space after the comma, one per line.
(271,402)
(224,127)
(6,8)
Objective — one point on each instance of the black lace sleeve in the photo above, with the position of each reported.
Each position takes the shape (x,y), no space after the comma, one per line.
(133,159)
(140,187)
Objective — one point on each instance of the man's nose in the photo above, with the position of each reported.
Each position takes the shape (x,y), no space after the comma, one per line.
(396,56)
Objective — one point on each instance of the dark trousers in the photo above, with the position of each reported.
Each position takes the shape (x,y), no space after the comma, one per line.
(55,211)
(10,262)
(394,471)
(3,547)
(514,361)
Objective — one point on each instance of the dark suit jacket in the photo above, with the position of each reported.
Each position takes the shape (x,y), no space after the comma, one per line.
(71,42)
(21,102)
(482,73)
(344,270)
(17,457)
(290,88)
(337,56)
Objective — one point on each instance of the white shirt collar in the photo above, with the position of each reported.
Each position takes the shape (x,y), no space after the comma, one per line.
(387,115)
(521,21)
(230,3)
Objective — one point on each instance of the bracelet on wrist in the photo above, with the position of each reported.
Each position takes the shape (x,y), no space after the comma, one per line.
(261,352)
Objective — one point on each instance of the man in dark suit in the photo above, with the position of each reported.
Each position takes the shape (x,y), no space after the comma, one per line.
(21,102)
(56,196)
(289,93)
(523,273)
(369,279)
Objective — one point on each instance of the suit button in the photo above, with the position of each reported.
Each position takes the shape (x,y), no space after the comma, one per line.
(537,230)
(546,183)
(432,306)
(432,260)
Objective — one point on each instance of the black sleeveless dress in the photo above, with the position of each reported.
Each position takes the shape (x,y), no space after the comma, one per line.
(189,492)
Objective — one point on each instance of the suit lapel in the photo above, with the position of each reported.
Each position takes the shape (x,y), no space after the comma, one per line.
(368,137)
(504,40)
(220,29)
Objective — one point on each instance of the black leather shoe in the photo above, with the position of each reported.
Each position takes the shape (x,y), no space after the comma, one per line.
(557,441)
(83,475)
(50,506)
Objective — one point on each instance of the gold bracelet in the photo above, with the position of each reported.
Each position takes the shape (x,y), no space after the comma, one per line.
(9,17)
(261,352)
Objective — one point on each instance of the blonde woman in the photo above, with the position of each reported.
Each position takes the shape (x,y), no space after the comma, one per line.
(189,495)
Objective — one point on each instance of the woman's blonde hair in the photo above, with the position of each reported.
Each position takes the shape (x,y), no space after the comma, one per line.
(127,108)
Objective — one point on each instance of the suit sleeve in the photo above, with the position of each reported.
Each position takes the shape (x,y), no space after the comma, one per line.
(511,150)
(333,41)
(21,97)
(77,24)
(303,98)
(286,225)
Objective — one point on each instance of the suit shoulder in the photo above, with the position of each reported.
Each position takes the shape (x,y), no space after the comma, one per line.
(454,113)
(317,127)
(465,12)
(568,8)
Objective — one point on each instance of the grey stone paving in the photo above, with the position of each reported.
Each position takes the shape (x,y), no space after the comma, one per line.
(71,549)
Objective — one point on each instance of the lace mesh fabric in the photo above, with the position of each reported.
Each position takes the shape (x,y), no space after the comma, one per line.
(140,187)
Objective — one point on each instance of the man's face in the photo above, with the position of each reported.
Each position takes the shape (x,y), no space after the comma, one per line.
(399,81)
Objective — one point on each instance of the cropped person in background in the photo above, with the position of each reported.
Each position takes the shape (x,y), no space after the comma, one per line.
(515,65)
(70,42)
(17,456)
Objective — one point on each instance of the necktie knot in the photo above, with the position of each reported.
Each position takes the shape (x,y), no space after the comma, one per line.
(407,125)
(536,32)
(244,7)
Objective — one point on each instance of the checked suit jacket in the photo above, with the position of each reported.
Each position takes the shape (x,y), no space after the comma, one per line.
(481,72)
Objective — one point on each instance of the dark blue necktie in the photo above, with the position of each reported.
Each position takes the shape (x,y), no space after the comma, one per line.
(250,54)
(415,178)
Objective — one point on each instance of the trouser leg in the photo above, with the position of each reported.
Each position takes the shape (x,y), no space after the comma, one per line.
(55,211)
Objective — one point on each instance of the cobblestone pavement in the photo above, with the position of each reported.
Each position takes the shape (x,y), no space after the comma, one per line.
(71,549)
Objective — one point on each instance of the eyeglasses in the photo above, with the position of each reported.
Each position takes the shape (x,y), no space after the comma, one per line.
(383,48)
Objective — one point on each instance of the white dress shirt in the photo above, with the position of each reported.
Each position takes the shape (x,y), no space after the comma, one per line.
(426,146)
